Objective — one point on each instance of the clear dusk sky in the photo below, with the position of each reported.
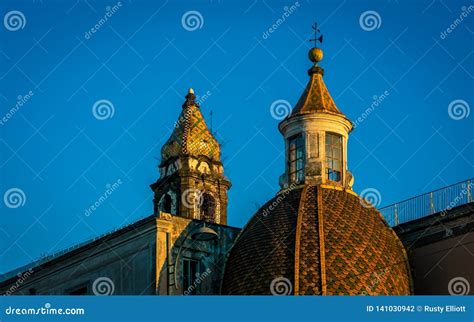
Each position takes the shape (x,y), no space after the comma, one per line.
(60,158)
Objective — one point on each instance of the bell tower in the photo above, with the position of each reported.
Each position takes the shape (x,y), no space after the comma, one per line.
(192,182)
(316,133)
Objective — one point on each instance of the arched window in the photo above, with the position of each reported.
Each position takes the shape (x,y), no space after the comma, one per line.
(333,157)
(208,207)
(167,202)
(295,159)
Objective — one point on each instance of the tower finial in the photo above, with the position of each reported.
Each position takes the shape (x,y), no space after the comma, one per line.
(190,99)
(316,38)
(316,54)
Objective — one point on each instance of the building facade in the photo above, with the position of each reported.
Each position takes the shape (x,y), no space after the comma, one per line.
(315,237)
(179,249)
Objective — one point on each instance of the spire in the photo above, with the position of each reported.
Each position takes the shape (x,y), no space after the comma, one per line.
(191,136)
(190,99)
(316,96)
(192,183)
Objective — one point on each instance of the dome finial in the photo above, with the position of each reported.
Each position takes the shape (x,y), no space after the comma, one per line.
(191,90)
(316,54)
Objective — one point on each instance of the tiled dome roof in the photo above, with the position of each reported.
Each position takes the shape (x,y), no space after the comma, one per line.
(191,136)
(322,241)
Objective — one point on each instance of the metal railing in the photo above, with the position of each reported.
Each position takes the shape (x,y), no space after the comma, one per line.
(429,203)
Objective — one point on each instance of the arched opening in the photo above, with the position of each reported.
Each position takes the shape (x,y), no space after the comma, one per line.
(167,202)
(208,207)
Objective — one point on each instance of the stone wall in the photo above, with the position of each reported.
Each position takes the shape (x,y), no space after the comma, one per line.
(121,262)
(440,249)
(175,244)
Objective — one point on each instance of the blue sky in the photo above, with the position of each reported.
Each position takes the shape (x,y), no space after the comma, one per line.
(143,61)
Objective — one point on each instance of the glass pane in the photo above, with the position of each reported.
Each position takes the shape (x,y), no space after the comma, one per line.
(299,165)
(296,158)
(333,157)
(299,153)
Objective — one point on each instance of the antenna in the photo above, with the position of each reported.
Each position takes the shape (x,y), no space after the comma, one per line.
(211,122)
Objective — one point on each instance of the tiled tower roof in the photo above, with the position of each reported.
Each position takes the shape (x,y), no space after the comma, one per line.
(191,136)
(316,97)
(324,241)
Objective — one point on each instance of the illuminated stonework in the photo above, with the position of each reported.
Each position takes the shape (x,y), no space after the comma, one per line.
(192,182)
(316,234)
(315,118)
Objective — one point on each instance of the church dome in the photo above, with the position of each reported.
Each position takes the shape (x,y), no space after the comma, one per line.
(317,240)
